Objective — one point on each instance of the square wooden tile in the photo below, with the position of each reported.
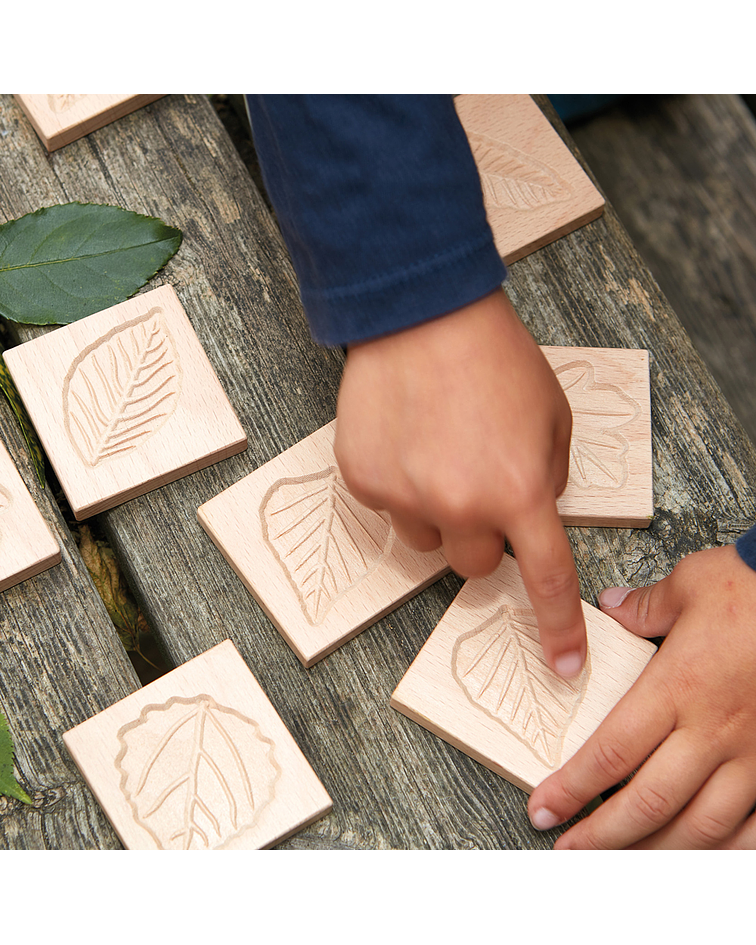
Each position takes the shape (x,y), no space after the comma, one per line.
(534,189)
(481,683)
(61,119)
(27,546)
(198,760)
(322,566)
(125,401)
(611,461)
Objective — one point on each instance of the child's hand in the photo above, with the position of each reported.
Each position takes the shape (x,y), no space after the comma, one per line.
(459,428)
(694,707)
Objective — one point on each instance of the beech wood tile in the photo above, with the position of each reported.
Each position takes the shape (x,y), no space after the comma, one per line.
(481,683)
(322,566)
(533,188)
(27,546)
(125,401)
(198,759)
(61,119)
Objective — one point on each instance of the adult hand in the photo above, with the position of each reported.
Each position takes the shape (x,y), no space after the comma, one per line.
(692,711)
(459,428)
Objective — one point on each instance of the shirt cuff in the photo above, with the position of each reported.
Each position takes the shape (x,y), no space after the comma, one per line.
(746,546)
(420,292)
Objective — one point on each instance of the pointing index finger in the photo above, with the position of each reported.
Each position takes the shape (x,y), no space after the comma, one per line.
(547,566)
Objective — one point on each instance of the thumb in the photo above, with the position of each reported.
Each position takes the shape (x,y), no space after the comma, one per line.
(646,611)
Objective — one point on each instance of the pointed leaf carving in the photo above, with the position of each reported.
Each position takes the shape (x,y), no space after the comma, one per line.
(121,389)
(515,180)
(195,773)
(599,411)
(325,540)
(501,668)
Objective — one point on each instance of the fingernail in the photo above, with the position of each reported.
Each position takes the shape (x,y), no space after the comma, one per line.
(569,664)
(613,596)
(544,819)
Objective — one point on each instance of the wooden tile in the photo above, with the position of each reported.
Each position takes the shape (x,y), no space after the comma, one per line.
(321,565)
(534,189)
(199,759)
(61,119)
(27,545)
(481,684)
(124,401)
(611,462)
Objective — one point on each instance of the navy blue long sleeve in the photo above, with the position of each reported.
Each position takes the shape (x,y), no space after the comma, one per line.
(379,202)
(746,547)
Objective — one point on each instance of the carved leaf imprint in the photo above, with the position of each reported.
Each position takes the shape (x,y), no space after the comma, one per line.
(195,773)
(515,180)
(61,103)
(501,668)
(325,540)
(598,451)
(122,389)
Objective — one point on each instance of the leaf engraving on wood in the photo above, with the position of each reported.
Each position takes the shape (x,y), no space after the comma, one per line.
(501,668)
(195,774)
(120,390)
(325,540)
(598,451)
(61,103)
(514,180)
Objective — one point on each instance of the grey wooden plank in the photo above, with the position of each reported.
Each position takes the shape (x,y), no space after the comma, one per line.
(680,171)
(60,658)
(394,785)
(60,662)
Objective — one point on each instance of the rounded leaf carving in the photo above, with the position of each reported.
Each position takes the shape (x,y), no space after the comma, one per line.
(195,774)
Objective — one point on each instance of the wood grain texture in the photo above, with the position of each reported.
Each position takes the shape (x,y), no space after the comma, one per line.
(533,188)
(124,401)
(198,760)
(322,566)
(482,684)
(611,461)
(61,119)
(394,785)
(680,172)
(27,545)
(60,661)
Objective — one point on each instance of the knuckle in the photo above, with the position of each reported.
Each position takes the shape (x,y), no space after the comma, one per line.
(644,607)
(473,563)
(612,760)
(569,796)
(455,508)
(708,830)
(591,840)
(650,807)
(553,585)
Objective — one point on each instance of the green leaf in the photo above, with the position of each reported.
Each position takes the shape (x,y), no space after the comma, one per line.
(62,263)
(8,783)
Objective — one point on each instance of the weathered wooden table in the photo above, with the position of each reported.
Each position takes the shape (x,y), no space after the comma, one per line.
(393,784)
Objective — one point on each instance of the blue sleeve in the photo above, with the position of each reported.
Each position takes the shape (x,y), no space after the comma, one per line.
(380,204)
(746,546)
